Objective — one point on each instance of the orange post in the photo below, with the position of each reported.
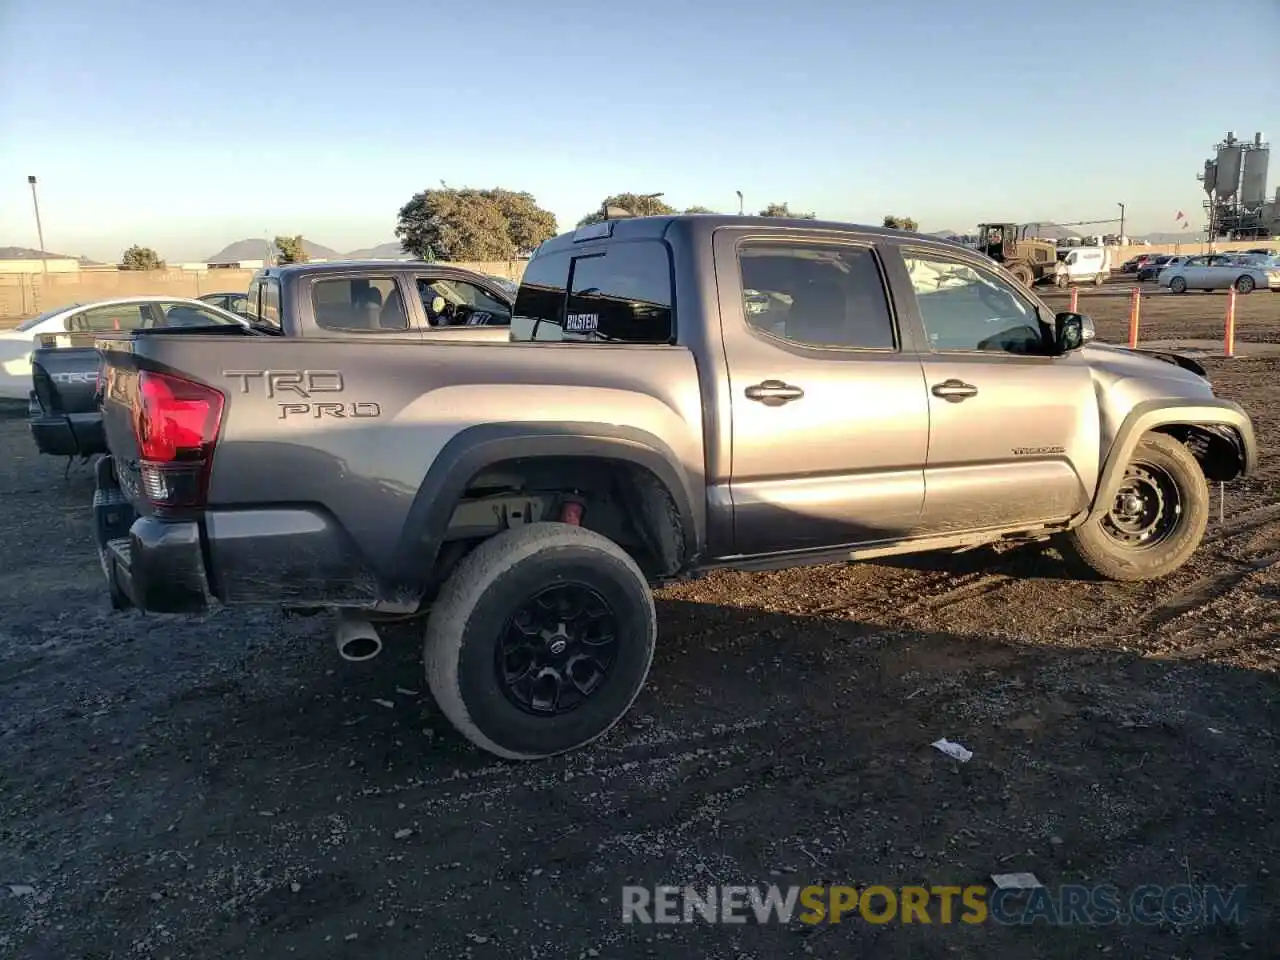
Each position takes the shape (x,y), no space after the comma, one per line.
(1135,311)
(1229,339)
(1075,298)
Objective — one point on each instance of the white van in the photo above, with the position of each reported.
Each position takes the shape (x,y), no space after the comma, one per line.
(1084,265)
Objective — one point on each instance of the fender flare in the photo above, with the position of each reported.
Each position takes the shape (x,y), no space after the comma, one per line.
(1152,414)
(475,448)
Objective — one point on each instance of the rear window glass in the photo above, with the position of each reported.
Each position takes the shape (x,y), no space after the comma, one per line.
(619,294)
(359,305)
(540,298)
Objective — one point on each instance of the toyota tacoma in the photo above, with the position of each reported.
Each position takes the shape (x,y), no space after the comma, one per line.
(680,394)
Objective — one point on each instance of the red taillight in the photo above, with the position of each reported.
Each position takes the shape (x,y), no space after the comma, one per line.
(176,423)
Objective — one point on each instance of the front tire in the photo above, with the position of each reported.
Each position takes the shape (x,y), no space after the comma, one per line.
(1178,285)
(1157,519)
(1244,284)
(540,640)
(1022,273)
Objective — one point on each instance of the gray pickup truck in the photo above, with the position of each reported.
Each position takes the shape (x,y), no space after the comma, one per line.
(341,300)
(681,393)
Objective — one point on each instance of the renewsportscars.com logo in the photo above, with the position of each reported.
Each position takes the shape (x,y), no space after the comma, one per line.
(1067,905)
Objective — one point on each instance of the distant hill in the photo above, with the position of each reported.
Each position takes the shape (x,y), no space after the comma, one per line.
(391,250)
(259,249)
(26,253)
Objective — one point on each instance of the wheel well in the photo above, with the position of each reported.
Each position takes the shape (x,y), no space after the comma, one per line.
(621,500)
(1218,449)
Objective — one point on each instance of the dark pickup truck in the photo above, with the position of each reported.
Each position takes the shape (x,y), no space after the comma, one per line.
(343,300)
(681,393)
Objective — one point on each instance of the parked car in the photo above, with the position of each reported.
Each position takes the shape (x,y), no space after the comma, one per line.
(1133,263)
(1221,272)
(58,374)
(348,300)
(643,426)
(1151,269)
(234,302)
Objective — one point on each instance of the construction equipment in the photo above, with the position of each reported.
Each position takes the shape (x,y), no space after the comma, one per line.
(1031,261)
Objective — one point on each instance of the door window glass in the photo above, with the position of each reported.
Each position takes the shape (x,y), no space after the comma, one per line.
(118,316)
(819,295)
(359,305)
(189,315)
(967,309)
(457,303)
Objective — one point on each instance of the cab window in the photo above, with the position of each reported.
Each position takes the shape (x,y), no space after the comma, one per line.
(967,309)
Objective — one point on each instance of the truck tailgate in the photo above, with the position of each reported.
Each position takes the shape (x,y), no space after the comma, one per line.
(63,413)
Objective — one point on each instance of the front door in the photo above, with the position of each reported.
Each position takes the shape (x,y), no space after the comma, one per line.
(830,420)
(1014,430)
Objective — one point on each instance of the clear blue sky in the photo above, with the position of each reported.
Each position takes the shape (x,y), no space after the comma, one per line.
(185,125)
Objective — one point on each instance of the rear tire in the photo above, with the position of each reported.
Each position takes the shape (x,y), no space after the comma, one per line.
(1178,285)
(1149,541)
(521,668)
(1022,274)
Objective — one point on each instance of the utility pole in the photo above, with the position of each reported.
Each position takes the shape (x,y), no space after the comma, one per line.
(44,266)
(739,193)
(649,198)
(1121,206)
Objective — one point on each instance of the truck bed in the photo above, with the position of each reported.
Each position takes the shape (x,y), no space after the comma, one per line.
(319,477)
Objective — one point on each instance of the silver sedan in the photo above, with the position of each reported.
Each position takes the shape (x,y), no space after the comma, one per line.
(1222,272)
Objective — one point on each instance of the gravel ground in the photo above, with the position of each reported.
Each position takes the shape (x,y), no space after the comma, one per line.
(226,786)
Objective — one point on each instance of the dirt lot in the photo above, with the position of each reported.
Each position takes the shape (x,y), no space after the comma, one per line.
(228,787)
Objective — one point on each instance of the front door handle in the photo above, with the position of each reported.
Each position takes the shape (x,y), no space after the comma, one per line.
(773,393)
(954,391)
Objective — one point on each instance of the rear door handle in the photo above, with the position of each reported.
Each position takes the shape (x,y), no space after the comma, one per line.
(773,393)
(954,391)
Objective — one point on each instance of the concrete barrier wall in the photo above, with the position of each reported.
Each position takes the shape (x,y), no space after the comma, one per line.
(26,294)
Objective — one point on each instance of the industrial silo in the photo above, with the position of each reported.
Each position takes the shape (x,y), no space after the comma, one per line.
(1253,178)
(1228,168)
(1210,177)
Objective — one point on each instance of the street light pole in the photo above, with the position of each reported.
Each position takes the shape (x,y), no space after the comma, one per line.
(44,266)
(649,198)
(1121,206)
(739,193)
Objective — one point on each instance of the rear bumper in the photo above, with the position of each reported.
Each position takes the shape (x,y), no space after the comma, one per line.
(264,556)
(66,435)
(151,564)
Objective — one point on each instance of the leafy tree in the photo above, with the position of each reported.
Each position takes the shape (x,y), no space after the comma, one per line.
(464,224)
(901,223)
(527,223)
(141,258)
(636,204)
(782,210)
(697,209)
(290,250)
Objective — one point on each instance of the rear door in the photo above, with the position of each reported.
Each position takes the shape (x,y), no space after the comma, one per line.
(829,416)
(1013,430)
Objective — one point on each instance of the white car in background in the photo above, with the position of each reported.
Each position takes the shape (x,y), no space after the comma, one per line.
(101,316)
(1222,271)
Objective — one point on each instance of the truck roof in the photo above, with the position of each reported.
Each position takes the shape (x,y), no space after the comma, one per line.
(655,227)
(340,266)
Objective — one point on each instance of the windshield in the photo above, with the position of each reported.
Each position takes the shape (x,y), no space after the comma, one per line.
(36,321)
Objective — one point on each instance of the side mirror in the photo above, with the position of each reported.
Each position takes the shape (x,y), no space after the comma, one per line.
(1071,331)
